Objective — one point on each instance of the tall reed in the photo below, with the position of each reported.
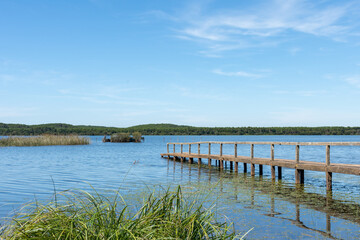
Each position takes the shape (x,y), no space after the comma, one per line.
(44,140)
(82,215)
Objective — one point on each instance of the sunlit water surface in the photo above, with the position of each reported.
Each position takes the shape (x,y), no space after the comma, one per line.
(274,210)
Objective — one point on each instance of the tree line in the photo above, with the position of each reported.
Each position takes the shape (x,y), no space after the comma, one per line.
(169,129)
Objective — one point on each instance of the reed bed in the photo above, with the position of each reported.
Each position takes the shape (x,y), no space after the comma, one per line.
(44,140)
(82,215)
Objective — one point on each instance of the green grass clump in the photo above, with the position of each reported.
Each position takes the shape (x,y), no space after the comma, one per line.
(44,140)
(82,215)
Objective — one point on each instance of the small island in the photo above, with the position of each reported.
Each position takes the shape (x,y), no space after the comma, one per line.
(124,137)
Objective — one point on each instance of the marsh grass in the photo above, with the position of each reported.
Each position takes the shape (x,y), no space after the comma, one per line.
(44,140)
(81,215)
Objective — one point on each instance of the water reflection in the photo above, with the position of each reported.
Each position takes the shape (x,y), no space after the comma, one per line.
(313,212)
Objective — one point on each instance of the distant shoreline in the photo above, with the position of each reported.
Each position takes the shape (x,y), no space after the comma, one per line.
(169,129)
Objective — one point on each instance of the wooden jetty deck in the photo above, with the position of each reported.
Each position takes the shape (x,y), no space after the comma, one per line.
(300,166)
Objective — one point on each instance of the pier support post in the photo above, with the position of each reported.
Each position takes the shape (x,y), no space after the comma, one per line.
(209,159)
(191,160)
(261,171)
(251,159)
(231,165)
(199,159)
(279,173)
(299,174)
(235,155)
(272,159)
(221,164)
(245,168)
(328,174)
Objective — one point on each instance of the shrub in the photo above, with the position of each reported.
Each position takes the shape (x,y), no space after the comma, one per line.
(137,136)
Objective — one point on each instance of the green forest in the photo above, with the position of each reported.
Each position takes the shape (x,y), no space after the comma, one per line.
(169,129)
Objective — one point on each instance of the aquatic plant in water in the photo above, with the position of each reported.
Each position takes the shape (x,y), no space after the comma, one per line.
(44,140)
(82,215)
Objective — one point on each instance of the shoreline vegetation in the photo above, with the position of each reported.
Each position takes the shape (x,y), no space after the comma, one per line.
(44,140)
(165,215)
(168,129)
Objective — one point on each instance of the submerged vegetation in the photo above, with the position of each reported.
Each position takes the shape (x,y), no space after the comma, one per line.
(170,129)
(44,140)
(82,215)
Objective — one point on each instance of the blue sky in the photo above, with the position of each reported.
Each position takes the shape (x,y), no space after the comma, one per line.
(200,63)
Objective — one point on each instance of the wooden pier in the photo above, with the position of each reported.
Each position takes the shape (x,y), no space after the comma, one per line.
(299,165)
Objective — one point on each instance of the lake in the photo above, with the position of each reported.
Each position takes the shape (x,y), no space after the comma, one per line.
(274,210)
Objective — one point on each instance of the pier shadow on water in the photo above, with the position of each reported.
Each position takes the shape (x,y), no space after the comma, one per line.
(274,209)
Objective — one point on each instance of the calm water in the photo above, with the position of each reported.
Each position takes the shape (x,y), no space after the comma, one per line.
(275,210)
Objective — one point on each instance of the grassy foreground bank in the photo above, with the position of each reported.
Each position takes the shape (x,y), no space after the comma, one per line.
(169,215)
(44,140)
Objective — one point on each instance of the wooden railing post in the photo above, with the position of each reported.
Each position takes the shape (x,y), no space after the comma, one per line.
(189,148)
(167,146)
(221,149)
(251,159)
(328,174)
(272,159)
(235,155)
(174,147)
(181,148)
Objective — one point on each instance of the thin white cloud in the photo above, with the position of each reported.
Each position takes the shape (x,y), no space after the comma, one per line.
(313,117)
(199,94)
(269,20)
(353,80)
(236,74)
(304,93)
(256,24)
(6,112)
(5,78)
(293,51)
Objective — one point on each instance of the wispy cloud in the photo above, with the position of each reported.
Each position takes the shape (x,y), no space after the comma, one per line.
(304,93)
(236,74)
(107,94)
(249,26)
(5,78)
(6,112)
(293,51)
(200,94)
(353,80)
